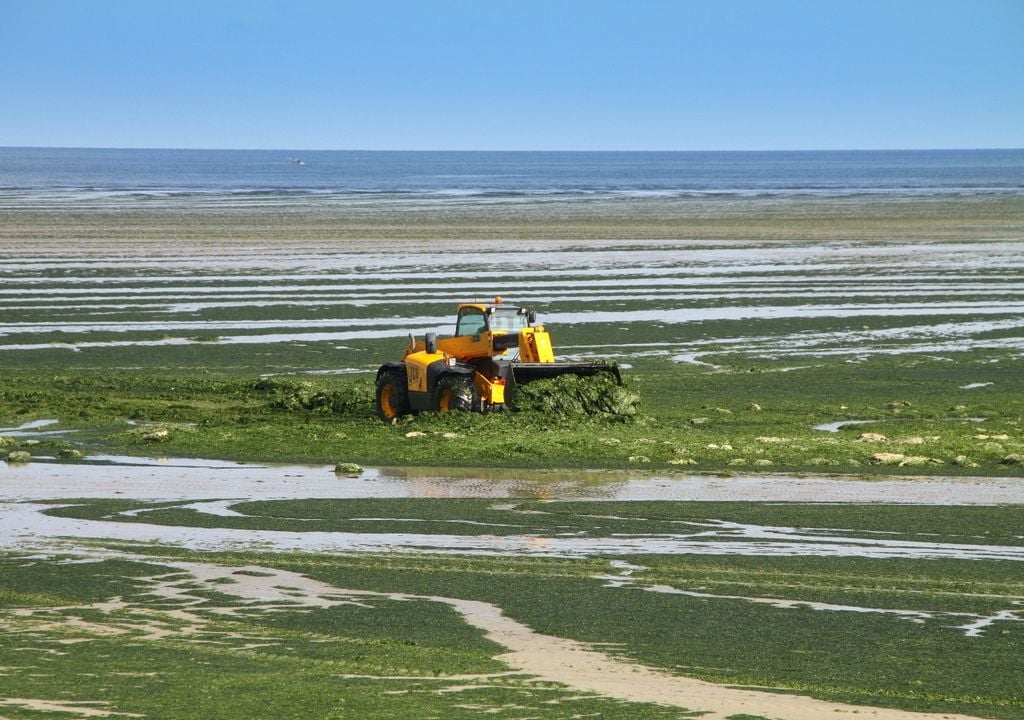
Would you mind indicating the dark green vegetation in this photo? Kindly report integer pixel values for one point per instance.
(377, 658)
(571, 395)
(692, 418)
(732, 619)
(975, 525)
(739, 324)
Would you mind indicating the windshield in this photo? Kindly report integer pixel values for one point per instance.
(510, 319)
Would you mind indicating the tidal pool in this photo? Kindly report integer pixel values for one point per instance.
(25, 526)
(164, 478)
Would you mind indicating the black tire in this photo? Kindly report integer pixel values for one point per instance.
(455, 392)
(392, 395)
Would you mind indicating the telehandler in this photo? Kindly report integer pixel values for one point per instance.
(472, 370)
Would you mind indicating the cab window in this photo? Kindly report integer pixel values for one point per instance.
(471, 322)
(508, 319)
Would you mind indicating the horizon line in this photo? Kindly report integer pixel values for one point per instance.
(507, 150)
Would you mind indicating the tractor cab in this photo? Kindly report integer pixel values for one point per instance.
(475, 319)
(486, 331)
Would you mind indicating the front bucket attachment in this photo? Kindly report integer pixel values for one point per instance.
(524, 372)
(570, 389)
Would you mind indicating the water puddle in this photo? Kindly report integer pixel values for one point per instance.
(31, 429)
(975, 627)
(978, 627)
(840, 424)
(833, 427)
(213, 486)
(196, 479)
(26, 526)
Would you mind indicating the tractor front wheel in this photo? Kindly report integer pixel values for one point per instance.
(455, 392)
(392, 395)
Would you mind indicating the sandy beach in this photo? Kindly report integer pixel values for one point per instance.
(78, 228)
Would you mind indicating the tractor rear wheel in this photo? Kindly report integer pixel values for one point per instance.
(392, 395)
(455, 392)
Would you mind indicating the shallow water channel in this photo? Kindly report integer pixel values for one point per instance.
(213, 487)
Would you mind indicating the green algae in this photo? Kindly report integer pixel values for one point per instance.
(729, 624)
(570, 395)
(747, 416)
(19, 457)
(747, 410)
(376, 658)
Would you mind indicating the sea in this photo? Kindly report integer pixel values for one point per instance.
(91, 177)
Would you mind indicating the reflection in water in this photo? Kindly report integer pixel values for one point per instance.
(141, 478)
(24, 525)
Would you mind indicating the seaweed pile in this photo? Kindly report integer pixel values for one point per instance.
(354, 399)
(573, 395)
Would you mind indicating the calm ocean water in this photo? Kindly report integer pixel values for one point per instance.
(32, 177)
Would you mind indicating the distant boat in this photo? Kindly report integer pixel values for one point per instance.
(298, 161)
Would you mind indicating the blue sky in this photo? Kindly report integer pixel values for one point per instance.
(515, 74)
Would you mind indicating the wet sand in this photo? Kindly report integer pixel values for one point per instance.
(93, 227)
(145, 279)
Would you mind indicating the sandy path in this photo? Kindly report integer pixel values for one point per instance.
(57, 706)
(549, 658)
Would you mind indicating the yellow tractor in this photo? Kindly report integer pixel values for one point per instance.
(472, 370)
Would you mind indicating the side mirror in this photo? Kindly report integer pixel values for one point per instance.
(531, 317)
(430, 340)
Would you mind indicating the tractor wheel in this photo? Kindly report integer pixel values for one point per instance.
(455, 392)
(392, 395)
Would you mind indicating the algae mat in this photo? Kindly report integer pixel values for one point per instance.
(884, 610)
(755, 336)
(571, 664)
